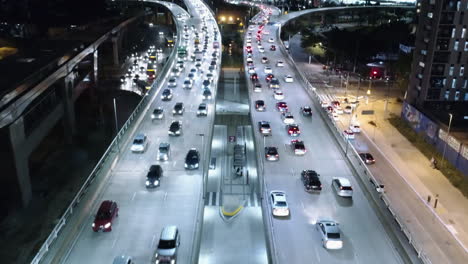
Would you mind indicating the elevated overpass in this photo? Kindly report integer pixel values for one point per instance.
(120, 174)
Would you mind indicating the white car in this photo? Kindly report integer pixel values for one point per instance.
(279, 64)
(355, 128)
(287, 118)
(249, 60)
(335, 116)
(288, 79)
(279, 204)
(348, 134)
(278, 95)
(271, 40)
(140, 143)
(324, 104)
(348, 110)
(339, 110)
(268, 70)
(342, 187)
(262, 50)
(330, 234)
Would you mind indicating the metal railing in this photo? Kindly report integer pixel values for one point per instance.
(110, 154)
(370, 182)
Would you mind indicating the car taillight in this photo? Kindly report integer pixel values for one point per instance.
(276, 155)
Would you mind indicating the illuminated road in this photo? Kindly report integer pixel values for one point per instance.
(143, 213)
(295, 238)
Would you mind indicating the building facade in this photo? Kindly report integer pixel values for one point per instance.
(439, 78)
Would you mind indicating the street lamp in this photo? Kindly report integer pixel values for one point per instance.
(446, 139)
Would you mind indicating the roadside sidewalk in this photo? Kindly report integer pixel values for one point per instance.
(414, 167)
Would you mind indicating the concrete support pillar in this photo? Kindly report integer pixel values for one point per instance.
(115, 49)
(96, 67)
(69, 109)
(21, 158)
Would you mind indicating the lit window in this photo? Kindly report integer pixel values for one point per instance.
(454, 82)
(455, 45)
(464, 83)
(447, 94)
(429, 15)
(451, 70)
(466, 97)
(462, 70)
(466, 46)
(458, 5)
(457, 95)
(453, 32)
(463, 32)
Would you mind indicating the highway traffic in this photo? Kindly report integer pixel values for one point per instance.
(143, 211)
(363, 238)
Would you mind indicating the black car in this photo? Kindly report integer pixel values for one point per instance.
(271, 154)
(178, 109)
(260, 105)
(175, 129)
(153, 177)
(306, 111)
(192, 159)
(206, 83)
(367, 158)
(166, 95)
(311, 181)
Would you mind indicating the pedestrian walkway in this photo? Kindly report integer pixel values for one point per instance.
(448, 214)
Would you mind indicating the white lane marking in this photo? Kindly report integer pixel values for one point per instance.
(133, 196)
(165, 196)
(174, 164)
(302, 204)
(152, 241)
(114, 242)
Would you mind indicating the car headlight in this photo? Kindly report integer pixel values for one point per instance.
(93, 225)
(107, 225)
(156, 182)
(153, 116)
(186, 165)
(147, 183)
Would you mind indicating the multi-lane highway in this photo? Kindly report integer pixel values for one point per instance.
(144, 212)
(295, 238)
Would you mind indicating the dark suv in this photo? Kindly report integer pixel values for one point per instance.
(192, 159)
(107, 212)
(153, 177)
(311, 181)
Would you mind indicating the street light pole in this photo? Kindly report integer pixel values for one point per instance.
(446, 139)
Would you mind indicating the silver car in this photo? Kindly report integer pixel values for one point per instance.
(342, 187)
(168, 245)
(330, 233)
(164, 151)
(158, 114)
(140, 143)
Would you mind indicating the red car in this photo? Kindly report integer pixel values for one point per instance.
(254, 77)
(293, 130)
(272, 47)
(107, 212)
(282, 106)
(269, 77)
